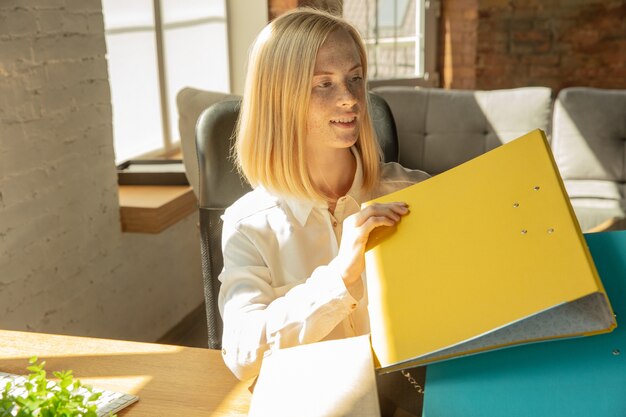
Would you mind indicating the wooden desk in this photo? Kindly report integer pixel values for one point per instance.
(169, 380)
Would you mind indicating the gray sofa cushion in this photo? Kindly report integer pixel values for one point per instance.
(439, 129)
(589, 146)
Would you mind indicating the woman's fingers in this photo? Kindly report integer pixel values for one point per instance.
(376, 221)
(356, 231)
(393, 211)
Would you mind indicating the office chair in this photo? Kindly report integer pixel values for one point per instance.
(221, 185)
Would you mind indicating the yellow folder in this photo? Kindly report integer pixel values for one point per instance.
(490, 255)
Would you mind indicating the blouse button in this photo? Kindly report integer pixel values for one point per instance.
(335, 224)
(353, 306)
(223, 351)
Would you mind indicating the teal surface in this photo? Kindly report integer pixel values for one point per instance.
(575, 377)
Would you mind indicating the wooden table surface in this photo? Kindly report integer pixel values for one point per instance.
(170, 381)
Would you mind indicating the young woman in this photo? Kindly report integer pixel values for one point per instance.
(294, 247)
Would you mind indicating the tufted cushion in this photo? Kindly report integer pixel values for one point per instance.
(589, 145)
(439, 129)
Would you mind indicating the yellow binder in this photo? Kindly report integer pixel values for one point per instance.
(491, 255)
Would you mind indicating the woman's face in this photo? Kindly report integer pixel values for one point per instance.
(337, 95)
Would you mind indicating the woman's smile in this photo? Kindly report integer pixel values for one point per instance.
(344, 122)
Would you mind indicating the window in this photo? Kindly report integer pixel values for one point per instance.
(154, 49)
(401, 39)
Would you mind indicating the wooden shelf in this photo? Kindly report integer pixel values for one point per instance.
(153, 208)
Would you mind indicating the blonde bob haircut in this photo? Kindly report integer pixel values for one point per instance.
(272, 126)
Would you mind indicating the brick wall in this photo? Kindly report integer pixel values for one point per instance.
(457, 43)
(489, 44)
(65, 266)
(278, 7)
(553, 43)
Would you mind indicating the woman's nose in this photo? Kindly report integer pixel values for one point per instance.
(347, 97)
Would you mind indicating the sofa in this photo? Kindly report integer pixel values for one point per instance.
(438, 129)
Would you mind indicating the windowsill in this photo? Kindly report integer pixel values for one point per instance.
(430, 80)
(154, 208)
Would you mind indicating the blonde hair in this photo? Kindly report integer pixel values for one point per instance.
(271, 130)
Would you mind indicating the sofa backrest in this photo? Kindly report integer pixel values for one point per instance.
(439, 129)
(589, 146)
(190, 103)
(590, 134)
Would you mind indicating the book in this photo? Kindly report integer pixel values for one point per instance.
(578, 377)
(491, 255)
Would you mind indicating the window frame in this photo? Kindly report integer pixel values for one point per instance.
(169, 141)
(431, 10)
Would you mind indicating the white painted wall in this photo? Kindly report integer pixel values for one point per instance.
(245, 20)
(65, 265)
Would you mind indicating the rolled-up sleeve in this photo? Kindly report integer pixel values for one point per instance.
(258, 317)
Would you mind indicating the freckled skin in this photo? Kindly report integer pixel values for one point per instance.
(337, 94)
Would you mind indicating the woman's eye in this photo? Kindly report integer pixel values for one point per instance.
(357, 78)
(324, 84)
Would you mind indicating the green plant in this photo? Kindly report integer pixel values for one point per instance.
(45, 398)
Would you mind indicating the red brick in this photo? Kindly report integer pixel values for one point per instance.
(545, 60)
(526, 4)
(531, 36)
(495, 4)
(542, 47)
(496, 60)
(541, 71)
(471, 14)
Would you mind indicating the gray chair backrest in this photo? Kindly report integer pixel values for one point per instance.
(221, 185)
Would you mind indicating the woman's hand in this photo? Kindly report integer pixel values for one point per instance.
(356, 230)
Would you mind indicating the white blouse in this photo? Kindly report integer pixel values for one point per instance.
(279, 285)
